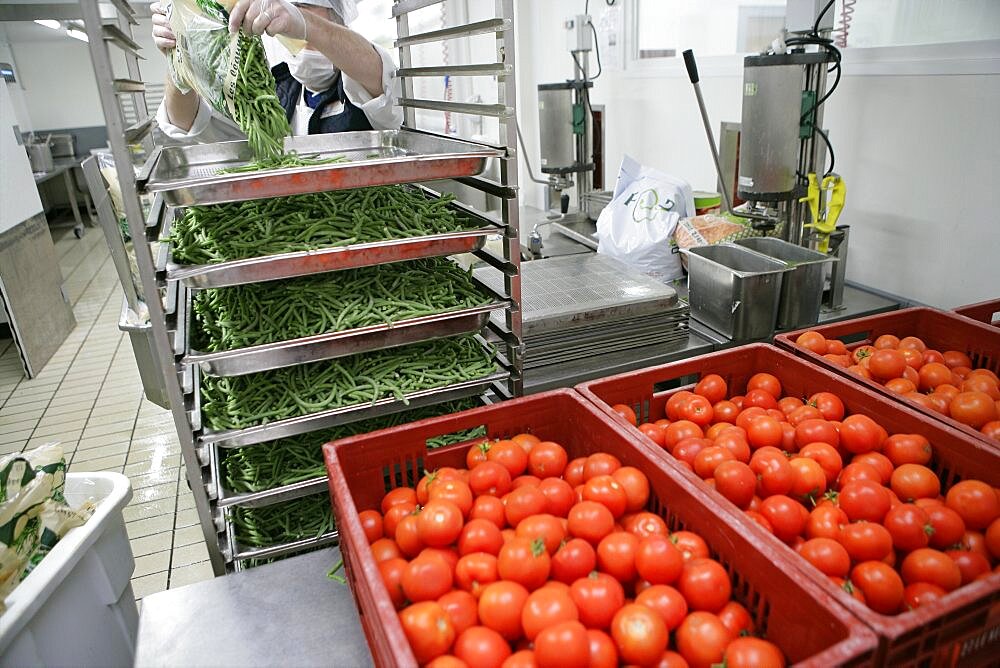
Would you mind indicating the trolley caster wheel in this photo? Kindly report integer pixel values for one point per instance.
(78, 232)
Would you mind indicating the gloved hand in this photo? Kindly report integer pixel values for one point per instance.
(275, 17)
(163, 36)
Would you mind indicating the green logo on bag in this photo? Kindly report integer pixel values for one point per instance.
(647, 205)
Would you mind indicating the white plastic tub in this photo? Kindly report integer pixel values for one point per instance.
(76, 608)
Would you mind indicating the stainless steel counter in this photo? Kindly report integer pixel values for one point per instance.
(65, 167)
(287, 613)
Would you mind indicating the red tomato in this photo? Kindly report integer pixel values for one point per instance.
(859, 472)
(697, 409)
(563, 645)
(909, 526)
(544, 608)
(774, 473)
(927, 565)
(573, 560)
(645, 524)
(475, 571)
(490, 478)
(753, 653)
(524, 658)
(691, 545)
(655, 433)
(736, 618)
(973, 408)
(481, 646)
(879, 462)
(825, 521)
(948, 525)
(864, 500)
(975, 501)
(600, 463)
(886, 341)
(428, 630)
(524, 561)
(395, 515)
(816, 431)
(675, 402)
(461, 607)
(500, 605)
(598, 597)
(913, 481)
(603, 653)
(725, 411)
(526, 441)
(785, 516)
(392, 577)
(866, 541)
(547, 460)
(548, 528)
(426, 579)
(702, 639)
(591, 521)
(734, 440)
(681, 430)
(384, 549)
(604, 489)
(827, 457)
(666, 602)
(439, 523)
(705, 585)
(886, 363)
(626, 413)
(970, 564)
(523, 502)
(767, 382)
(736, 481)
(813, 341)
(713, 387)
(881, 586)
(709, 459)
(480, 535)
(573, 475)
(639, 633)
(859, 433)
(828, 404)
(616, 555)
(809, 481)
(764, 431)
(489, 508)
(510, 455)
(456, 491)
(371, 524)
(921, 593)
(636, 487)
(476, 455)
(827, 555)
(559, 496)
(760, 398)
(400, 495)
(992, 539)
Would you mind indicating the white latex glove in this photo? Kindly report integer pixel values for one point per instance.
(275, 17)
(163, 36)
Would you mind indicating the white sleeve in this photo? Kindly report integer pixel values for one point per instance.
(209, 126)
(382, 112)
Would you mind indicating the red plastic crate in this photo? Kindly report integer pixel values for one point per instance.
(797, 615)
(986, 312)
(939, 330)
(962, 628)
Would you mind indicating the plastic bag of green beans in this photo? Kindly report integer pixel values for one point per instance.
(229, 71)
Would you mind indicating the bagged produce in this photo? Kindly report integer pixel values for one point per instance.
(637, 227)
(230, 72)
(707, 230)
(34, 514)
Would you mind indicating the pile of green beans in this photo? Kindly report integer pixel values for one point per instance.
(249, 315)
(308, 517)
(285, 161)
(243, 401)
(287, 461)
(240, 230)
(256, 108)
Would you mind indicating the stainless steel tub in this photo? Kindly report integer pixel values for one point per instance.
(733, 290)
(802, 286)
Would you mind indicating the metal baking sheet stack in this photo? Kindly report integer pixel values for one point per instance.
(582, 306)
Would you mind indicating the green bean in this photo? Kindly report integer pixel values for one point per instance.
(240, 230)
(259, 398)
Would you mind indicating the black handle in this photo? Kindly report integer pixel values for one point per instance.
(692, 67)
(564, 204)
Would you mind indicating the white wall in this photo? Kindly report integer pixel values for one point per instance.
(919, 154)
(15, 91)
(60, 90)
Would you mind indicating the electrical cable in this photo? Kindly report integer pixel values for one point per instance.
(597, 51)
(819, 18)
(829, 147)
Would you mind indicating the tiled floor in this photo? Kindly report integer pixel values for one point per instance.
(89, 399)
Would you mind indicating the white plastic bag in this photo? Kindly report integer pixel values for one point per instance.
(638, 225)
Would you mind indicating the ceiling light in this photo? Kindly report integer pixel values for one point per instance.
(77, 34)
(49, 23)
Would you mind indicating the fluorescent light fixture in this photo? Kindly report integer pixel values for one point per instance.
(49, 23)
(77, 34)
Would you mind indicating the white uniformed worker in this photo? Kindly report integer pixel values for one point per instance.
(339, 82)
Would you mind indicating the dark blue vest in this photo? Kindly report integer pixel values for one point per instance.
(290, 93)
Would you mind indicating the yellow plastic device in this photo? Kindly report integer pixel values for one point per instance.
(834, 192)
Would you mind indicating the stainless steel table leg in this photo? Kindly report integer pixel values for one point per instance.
(71, 194)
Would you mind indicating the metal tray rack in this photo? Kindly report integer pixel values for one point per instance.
(187, 176)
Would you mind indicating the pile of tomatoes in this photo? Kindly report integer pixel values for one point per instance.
(526, 558)
(943, 382)
(860, 505)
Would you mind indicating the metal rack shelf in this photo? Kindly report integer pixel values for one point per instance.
(177, 177)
